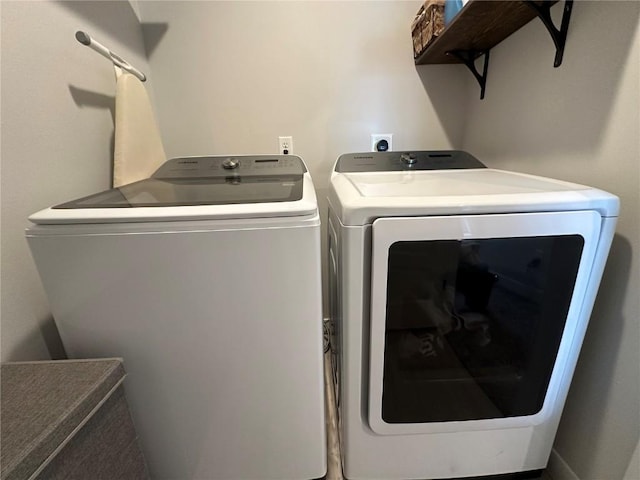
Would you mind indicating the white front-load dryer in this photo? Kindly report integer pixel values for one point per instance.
(461, 296)
(206, 279)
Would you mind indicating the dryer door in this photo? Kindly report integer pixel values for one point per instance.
(476, 319)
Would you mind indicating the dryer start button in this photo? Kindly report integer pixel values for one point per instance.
(408, 158)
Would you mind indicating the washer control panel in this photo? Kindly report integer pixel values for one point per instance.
(223, 166)
(230, 163)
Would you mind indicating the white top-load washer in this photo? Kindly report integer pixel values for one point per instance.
(206, 279)
(461, 296)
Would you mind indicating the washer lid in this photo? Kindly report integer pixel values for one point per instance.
(199, 188)
(184, 192)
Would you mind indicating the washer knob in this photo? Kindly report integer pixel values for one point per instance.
(230, 163)
(408, 158)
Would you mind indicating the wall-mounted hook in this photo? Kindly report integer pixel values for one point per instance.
(117, 60)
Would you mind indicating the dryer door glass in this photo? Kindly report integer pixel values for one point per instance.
(469, 313)
(473, 326)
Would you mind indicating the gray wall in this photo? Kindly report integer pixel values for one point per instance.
(57, 133)
(222, 87)
(580, 122)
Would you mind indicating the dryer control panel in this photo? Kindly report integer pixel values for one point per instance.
(398, 161)
(225, 166)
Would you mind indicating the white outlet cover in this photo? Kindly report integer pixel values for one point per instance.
(376, 137)
(285, 142)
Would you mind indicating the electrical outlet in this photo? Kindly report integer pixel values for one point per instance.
(381, 142)
(285, 145)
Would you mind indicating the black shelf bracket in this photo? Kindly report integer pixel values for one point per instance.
(559, 37)
(468, 57)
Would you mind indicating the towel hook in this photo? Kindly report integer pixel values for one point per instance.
(117, 60)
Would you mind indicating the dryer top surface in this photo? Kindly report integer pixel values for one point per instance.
(438, 183)
(361, 197)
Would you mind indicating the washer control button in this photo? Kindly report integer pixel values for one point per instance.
(230, 163)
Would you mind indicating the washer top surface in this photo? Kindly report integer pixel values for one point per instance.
(194, 188)
(369, 186)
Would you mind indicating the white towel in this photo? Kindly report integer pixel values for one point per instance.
(138, 148)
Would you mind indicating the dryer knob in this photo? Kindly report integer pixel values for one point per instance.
(230, 163)
(408, 158)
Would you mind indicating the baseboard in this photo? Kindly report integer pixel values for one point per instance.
(558, 469)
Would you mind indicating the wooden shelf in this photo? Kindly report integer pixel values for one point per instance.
(478, 27)
(482, 24)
